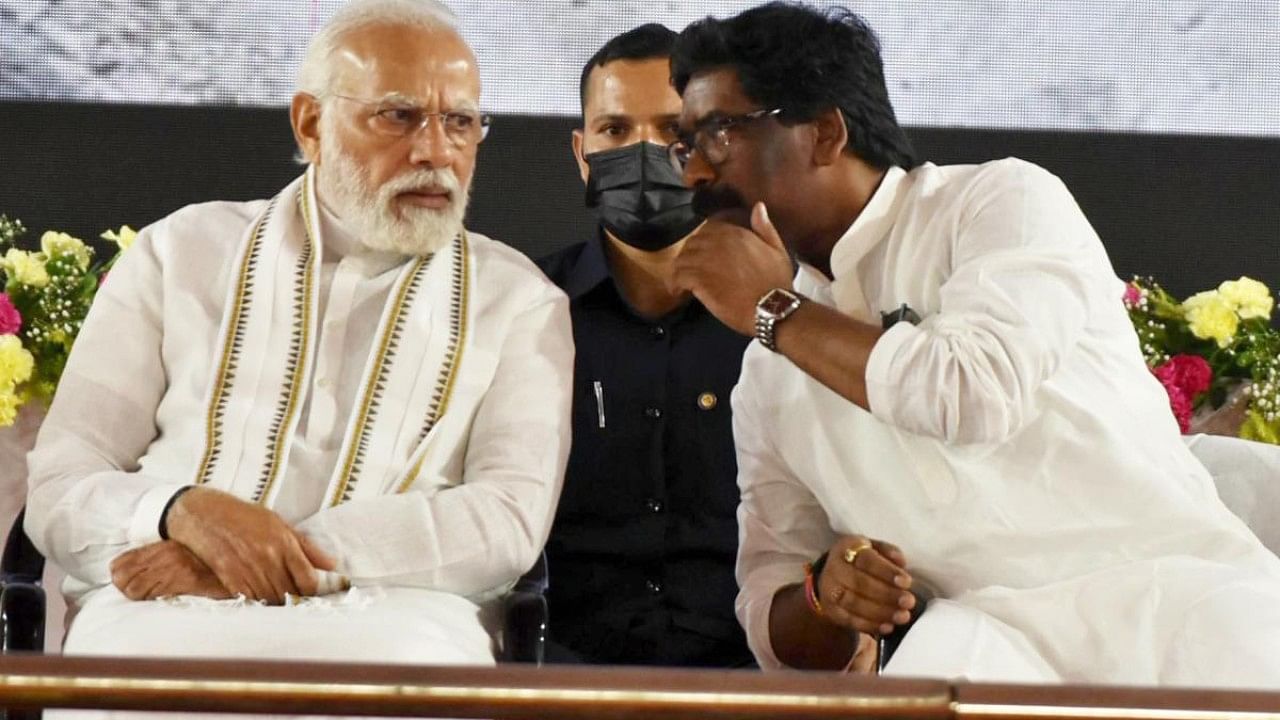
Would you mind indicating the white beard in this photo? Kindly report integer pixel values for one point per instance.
(371, 214)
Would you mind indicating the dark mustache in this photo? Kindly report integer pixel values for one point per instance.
(708, 200)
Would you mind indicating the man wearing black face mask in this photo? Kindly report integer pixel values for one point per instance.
(642, 551)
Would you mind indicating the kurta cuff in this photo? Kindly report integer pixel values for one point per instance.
(883, 372)
(144, 528)
(757, 604)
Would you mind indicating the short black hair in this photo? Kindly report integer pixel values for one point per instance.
(651, 40)
(803, 60)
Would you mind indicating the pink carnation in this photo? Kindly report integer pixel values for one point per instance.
(1132, 295)
(10, 318)
(1181, 406)
(1189, 373)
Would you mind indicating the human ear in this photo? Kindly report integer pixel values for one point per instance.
(831, 136)
(577, 155)
(304, 116)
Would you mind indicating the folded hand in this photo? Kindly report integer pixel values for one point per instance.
(865, 586)
(164, 569)
(250, 549)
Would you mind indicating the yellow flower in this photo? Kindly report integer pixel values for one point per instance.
(8, 407)
(1251, 298)
(124, 237)
(1256, 427)
(27, 268)
(56, 244)
(1211, 317)
(16, 363)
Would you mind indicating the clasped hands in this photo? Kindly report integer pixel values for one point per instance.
(220, 546)
(865, 586)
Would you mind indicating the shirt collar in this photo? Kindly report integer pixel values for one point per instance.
(872, 224)
(589, 270)
(869, 229)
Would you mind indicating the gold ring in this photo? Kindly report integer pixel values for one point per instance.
(851, 553)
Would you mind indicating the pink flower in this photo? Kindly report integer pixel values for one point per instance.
(10, 318)
(1132, 295)
(1189, 373)
(1181, 406)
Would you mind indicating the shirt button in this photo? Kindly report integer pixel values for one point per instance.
(658, 332)
(653, 587)
(707, 401)
(653, 413)
(654, 505)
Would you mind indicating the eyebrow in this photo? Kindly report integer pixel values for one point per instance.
(617, 117)
(711, 116)
(399, 98)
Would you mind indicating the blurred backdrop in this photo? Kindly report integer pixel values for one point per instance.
(1163, 118)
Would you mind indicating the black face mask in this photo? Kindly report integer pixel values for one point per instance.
(639, 197)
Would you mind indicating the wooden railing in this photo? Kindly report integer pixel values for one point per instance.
(516, 691)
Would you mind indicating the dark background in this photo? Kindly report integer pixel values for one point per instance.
(1190, 210)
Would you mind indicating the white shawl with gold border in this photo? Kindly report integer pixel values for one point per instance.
(266, 357)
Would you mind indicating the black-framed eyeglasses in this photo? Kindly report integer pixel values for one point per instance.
(395, 118)
(711, 138)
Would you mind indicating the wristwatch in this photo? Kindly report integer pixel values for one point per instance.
(772, 308)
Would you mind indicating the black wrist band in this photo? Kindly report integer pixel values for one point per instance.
(816, 569)
(164, 514)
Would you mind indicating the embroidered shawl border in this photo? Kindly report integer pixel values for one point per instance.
(460, 300)
(299, 348)
(375, 384)
(231, 346)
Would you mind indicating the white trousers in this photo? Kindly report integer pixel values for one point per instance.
(385, 626)
(1172, 623)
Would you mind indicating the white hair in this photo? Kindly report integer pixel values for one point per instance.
(316, 71)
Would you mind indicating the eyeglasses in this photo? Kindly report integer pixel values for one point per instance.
(711, 138)
(398, 119)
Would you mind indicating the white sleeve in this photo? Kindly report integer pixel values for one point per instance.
(87, 500)
(781, 526)
(484, 533)
(1024, 276)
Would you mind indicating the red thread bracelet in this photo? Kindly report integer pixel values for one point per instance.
(811, 592)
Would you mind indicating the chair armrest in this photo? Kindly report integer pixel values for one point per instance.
(22, 617)
(524, 627)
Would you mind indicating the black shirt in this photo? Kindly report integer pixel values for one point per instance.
(641, 555)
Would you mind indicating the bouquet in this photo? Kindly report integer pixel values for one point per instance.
(1210, 346)
(44, 296)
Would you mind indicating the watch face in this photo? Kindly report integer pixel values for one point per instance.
(777, 302)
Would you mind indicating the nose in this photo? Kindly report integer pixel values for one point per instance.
(653, 134)
(430, 146)
(697, 171)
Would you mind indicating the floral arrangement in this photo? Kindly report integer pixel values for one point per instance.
(44, 296)
(1210, 346)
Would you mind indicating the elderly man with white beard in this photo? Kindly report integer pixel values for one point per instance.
(329, 425)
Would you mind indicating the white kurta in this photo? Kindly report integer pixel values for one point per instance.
(126, 429)
(1017, 449)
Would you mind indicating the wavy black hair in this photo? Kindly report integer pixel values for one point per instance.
(651, 40)
(804, 60)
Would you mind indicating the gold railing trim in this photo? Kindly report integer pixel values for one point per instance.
(239, 689)
(969, 709)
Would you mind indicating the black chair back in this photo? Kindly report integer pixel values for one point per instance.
(21, 561)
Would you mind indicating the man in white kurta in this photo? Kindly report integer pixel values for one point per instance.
(343, 366)
(1011, 442)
